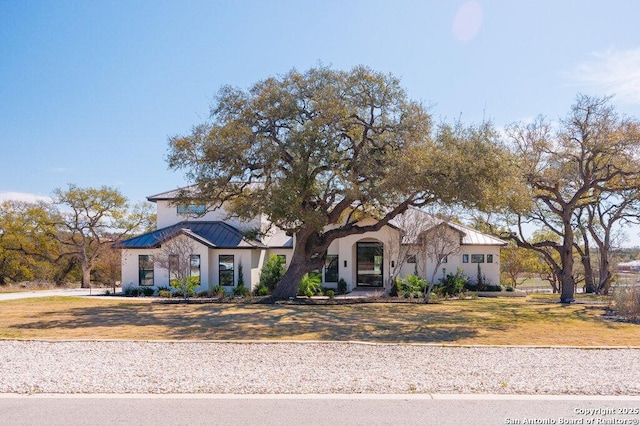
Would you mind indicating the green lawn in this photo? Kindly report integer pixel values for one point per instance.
(492, 321)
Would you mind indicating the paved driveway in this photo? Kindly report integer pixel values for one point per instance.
(58, 292)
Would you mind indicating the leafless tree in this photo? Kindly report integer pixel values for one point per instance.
(176, 256)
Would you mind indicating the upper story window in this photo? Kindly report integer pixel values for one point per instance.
(477, 258)
(190, 209)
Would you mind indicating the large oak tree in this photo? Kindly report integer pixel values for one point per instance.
(317, 151)
(569, 168)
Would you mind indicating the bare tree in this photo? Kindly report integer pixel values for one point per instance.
(439, 242)
(177, 256)
(411, 225)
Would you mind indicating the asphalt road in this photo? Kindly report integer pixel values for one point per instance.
(283, 410)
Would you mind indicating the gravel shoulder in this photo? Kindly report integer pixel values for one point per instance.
(318, 368)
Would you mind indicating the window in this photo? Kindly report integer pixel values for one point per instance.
(489, 258)
(445, 260)
(477, 258)
(331, 268)
(190, 209)
(145, 269)
(465, 258)
(411, 258)
(194, 262)
(225, 269)
(282, 258)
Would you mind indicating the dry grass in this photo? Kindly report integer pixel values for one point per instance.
(467, 322)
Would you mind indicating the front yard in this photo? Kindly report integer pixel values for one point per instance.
(465, 322)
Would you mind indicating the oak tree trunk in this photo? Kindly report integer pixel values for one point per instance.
(566, 257)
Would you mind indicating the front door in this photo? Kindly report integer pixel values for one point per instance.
(369, 264)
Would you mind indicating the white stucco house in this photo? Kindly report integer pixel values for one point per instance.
(221, 244)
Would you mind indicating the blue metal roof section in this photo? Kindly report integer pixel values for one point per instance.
(212, 234)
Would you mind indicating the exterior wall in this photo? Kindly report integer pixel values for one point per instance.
(167, 215)
(346, 247)
(244, 256)
(130, 275)
(490, 270)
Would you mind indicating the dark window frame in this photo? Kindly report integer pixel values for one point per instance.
(465, 258)
(331, 268)
(191, 267)
(477, 258)
(145, 268)
(226, 272)
(489, 258)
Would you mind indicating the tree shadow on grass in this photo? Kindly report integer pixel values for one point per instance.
(380, 323)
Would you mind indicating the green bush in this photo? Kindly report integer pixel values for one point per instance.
(411, 286)
(493, 287)
(342, 286)
(129, 291)
(331, 294)
(452, 284)
(310, 285)
(147, 291)
(241, 291)
(509, 288)
(393, 291)
(218, 292)
(271, 273)
(186, 286)
(261, 291)
(164, 293)
(203, 293)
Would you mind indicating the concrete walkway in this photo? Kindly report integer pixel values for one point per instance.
(57, 292)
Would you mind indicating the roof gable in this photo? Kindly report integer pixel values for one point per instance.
(213, 234)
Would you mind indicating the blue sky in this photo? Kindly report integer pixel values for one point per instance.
(91, 90)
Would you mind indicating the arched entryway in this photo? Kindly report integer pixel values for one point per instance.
(369, 264)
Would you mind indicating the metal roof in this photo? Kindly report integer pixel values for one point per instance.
(469, 236)
(214, 234)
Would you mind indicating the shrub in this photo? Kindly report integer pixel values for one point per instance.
(261, 291)
(241, 291)
(452, 284)
(130, 290)
(331, 294)
(187, 286)
(164, 293)
(627, 303)
(107, 292)
(203, 293)
(218, 292)
(147, 291)
(393, 291)
(310, 285)
(492, 287)
(509, 288)
(240, 275)
(271, 273)
(411, 287)
(342, 286)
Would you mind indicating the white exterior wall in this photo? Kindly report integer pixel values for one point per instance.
(490, 270)
(167, 215)
(244, 256)
(346, 248)
(130, 275)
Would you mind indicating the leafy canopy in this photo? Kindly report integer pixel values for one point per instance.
(310, 149)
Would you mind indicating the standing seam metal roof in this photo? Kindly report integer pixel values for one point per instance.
(214, 234)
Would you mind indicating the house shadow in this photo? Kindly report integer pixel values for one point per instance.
(379, 323)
